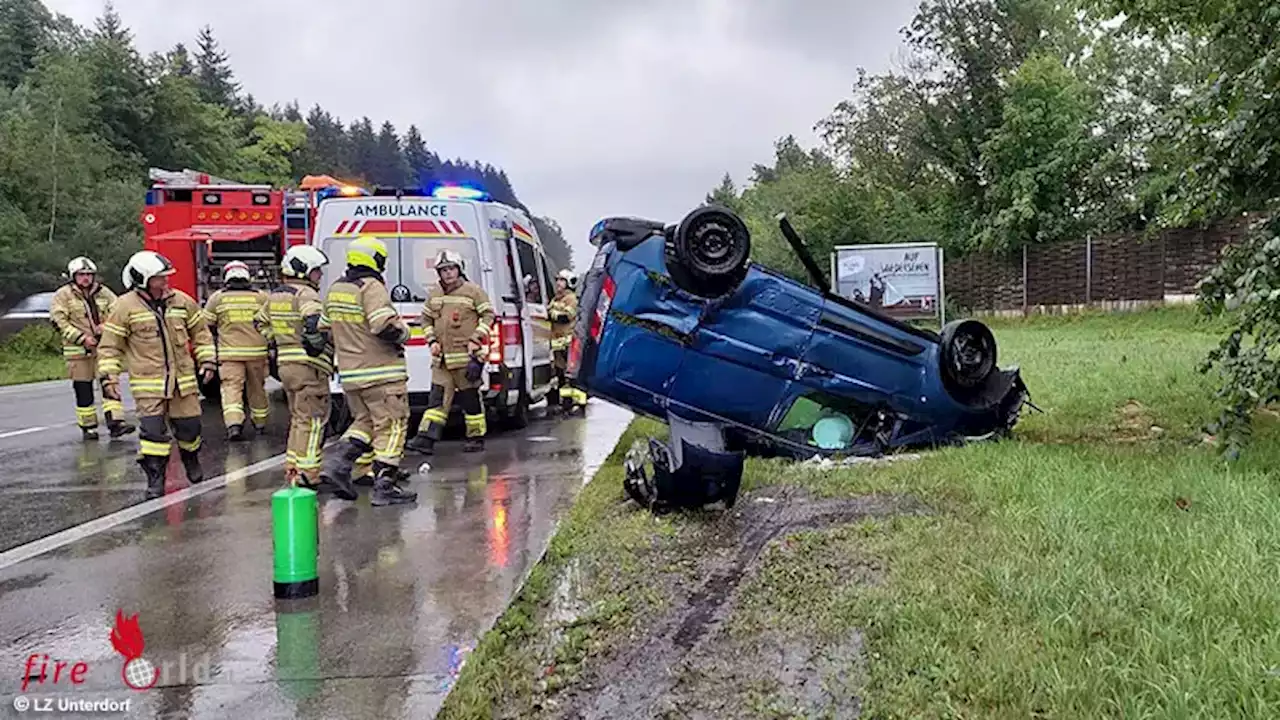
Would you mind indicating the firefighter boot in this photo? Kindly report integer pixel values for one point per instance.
(118, 428)
(235, 433)
(88, 434)
(425, 441)
(337, 471)
(153, 467)
(385, 489)
(191, 462)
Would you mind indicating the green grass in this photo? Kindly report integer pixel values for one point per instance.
(1106, 563)
(32, 355)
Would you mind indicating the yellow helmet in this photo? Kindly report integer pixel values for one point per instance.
(367, 251)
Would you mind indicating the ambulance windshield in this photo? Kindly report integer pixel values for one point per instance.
(418, 258)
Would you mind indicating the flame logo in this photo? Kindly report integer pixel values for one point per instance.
(126, 637)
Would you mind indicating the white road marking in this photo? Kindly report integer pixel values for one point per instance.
(12, 557)
(16, 433)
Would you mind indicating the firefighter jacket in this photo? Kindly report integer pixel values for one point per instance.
(231, 314)
(367, 332)
(456, 318)
(79, 314)
(563, 312)
(153, 340)
(291, 310)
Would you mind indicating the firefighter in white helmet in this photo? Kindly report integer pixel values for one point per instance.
(304, 360)
(456, 319)
(242, 349)
(368, 338)
(78, 310)
(147, 335)
(563, 312)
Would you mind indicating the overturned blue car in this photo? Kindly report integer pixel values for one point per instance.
(675, 322)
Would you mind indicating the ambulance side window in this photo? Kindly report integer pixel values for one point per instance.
(529, 268)
(511, 291)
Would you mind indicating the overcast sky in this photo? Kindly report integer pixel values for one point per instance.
(593, 107)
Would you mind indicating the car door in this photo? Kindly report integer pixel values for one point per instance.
(853, 353)
(535, 325)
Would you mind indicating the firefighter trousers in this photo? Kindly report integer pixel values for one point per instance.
(157, 415)
(83, 371)
(445, 386)
(307, 389)
(380, 423)
(566, 394)
(241, 378)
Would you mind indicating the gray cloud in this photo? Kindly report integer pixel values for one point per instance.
(593, 108)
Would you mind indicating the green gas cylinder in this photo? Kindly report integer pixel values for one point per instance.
(295, 535)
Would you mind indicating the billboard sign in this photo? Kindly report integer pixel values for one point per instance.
(903, 280)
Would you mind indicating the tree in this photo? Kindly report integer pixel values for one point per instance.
(25, 33)
(364, 149)
(269, 157)
(553, 242)
(420, 161)
(124, 98)
(216, 81)
(389, 166)
(327, 150)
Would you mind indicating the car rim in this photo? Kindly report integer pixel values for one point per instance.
(970, 356)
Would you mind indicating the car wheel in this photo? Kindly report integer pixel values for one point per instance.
(710, 248)
(968, 355)
(517, 418)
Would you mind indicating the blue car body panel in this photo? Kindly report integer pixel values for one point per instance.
(744, 359)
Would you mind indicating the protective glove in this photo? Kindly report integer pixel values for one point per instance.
(273, 362)
(475, 366)
(111, 388)
(208, 371)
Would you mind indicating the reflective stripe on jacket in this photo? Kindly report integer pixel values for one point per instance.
(456, 318)
(283, 318)
(158, 343)
(231, 313)
(79, 314)
(368, 334)
(564, 304)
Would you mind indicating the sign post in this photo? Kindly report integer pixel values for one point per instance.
(902, 280)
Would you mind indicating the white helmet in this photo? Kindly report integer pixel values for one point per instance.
(81, 264)
(300, 260)
(236, 270)
(449, 257)
(143, 266)
(568, 276)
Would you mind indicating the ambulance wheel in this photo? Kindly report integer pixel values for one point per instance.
(517, 417)
(339, 416)
(212, 390)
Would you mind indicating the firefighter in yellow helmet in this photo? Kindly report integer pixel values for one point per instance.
(304, 360)
(78, 310)
(563, 312)
(242, 349)
(147, 335)
(457, 319)
(368, 338)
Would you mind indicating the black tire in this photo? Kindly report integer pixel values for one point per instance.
(339, 416)
(968, 356)
(517, 417)
(708, 252)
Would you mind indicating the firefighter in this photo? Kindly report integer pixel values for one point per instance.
(147, 336)
(304, 361)
(368, 338)
(563, 312)
(242, 350)
(456, 319)
(78, 309)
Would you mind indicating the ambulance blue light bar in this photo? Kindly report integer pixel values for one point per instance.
(458, 192)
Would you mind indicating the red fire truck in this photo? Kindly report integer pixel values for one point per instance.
(201, 222)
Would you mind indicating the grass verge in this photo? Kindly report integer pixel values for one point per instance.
(32, 355)
(1106, 563)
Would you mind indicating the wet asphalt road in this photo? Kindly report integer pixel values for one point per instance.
(405, 591)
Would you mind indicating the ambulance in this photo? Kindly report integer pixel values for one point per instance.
(503, 255)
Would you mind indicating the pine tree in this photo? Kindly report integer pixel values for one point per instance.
(215, 79)
(390, 169)
(364, 149)
(179, 61)
(25, 27)
(124, 97)
(421, 162)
